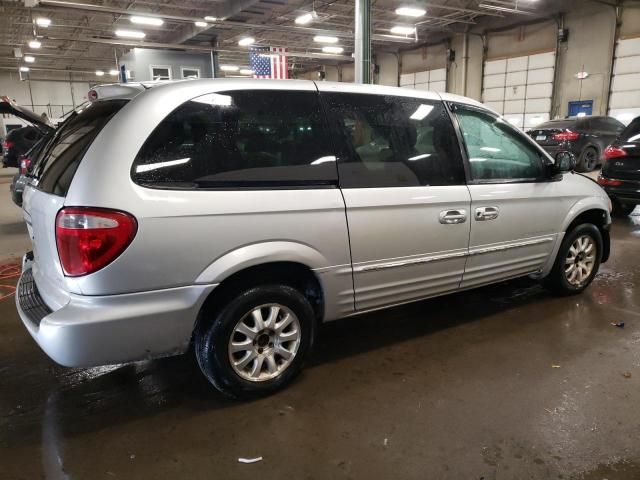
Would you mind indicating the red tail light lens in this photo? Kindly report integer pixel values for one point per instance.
(567, 136)
(88, 239)
(608, 182)
(25, 163)
(7, 144)
(614, 152)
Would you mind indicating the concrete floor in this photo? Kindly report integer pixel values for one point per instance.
(504, 382)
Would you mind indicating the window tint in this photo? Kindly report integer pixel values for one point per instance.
(63, 155)
(390, 141)
(241, 138)
(496, 150)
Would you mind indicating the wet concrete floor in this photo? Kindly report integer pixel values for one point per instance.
(504, 382)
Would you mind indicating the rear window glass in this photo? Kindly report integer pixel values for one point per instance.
(557, 124)
(234, 139)
(64, 153)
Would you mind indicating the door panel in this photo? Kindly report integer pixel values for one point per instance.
(521, 238)
(407, 205)
(515, 211)
(400, 250)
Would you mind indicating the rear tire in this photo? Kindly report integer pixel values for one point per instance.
(257, 343)
(622, 209)
(588, 160)
(577, 262)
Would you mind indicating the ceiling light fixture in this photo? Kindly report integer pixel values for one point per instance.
(43, 22)
(113, 73)
(497, 8)
(246, 71)
(325, 39)
(403, 30)
(29, 59)
(243, 42)
(410, 11)
(35, 44)
(24, 69)
(130, 34)
(201, 24)
(211, 19)
(332, 49)
(99, 73)
(229, 68)
(147, 21)
(306, 18)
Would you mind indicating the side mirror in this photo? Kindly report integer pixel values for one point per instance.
(565, 162)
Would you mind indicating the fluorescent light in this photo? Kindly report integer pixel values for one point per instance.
(325, 39)
(497, 8)
(246, 71)
(305, 18)
(130, 34)
(211, 19)
(113, 73)
(322, 160)
(332, 49)
(201, 24)
(35, 44)
(421, 112)
(229, 68)
(419, 157)
(24, 69)
(243, 42)
(401, 30)
(147, 20)
(214, 99)
(99, 73)
(29, 59)
(410, 11)
(43, 22)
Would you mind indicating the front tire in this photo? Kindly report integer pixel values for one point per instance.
(257, 343)
(577, 262)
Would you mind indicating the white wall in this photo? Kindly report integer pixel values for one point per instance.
(52, 97)
(388, 63)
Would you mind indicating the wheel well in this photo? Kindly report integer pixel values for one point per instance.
(293, 274)
(598, 218)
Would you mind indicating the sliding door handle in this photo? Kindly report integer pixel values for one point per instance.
(452, 217)
(486, 213)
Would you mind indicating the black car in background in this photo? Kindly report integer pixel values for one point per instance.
(586, 137)
(620, 176)
(19, 141)
(27, 161)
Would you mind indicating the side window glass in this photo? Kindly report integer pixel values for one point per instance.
(389, 141)
(253, 138)
(496, 150)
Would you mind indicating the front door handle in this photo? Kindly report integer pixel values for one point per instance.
(486, 213)
(452, 217)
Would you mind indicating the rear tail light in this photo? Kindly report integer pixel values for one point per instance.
(88, 239)
(7, 144)
(614, 152)
(25, 163)
(608, 182)
(567, 136)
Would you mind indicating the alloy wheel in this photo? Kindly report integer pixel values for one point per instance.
(580, 261)
(264, 342)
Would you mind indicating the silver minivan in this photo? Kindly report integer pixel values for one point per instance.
(232, 216)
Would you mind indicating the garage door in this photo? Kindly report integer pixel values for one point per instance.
(433, 80)
(520, 88)
(624, 103)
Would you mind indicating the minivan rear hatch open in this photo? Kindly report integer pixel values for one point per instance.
(9, 107)
(44, 196)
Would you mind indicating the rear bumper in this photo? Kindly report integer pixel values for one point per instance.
(629, 192)
(90, 330)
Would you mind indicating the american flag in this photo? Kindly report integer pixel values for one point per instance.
(268, 62)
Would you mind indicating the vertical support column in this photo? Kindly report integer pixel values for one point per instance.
(363, 41)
